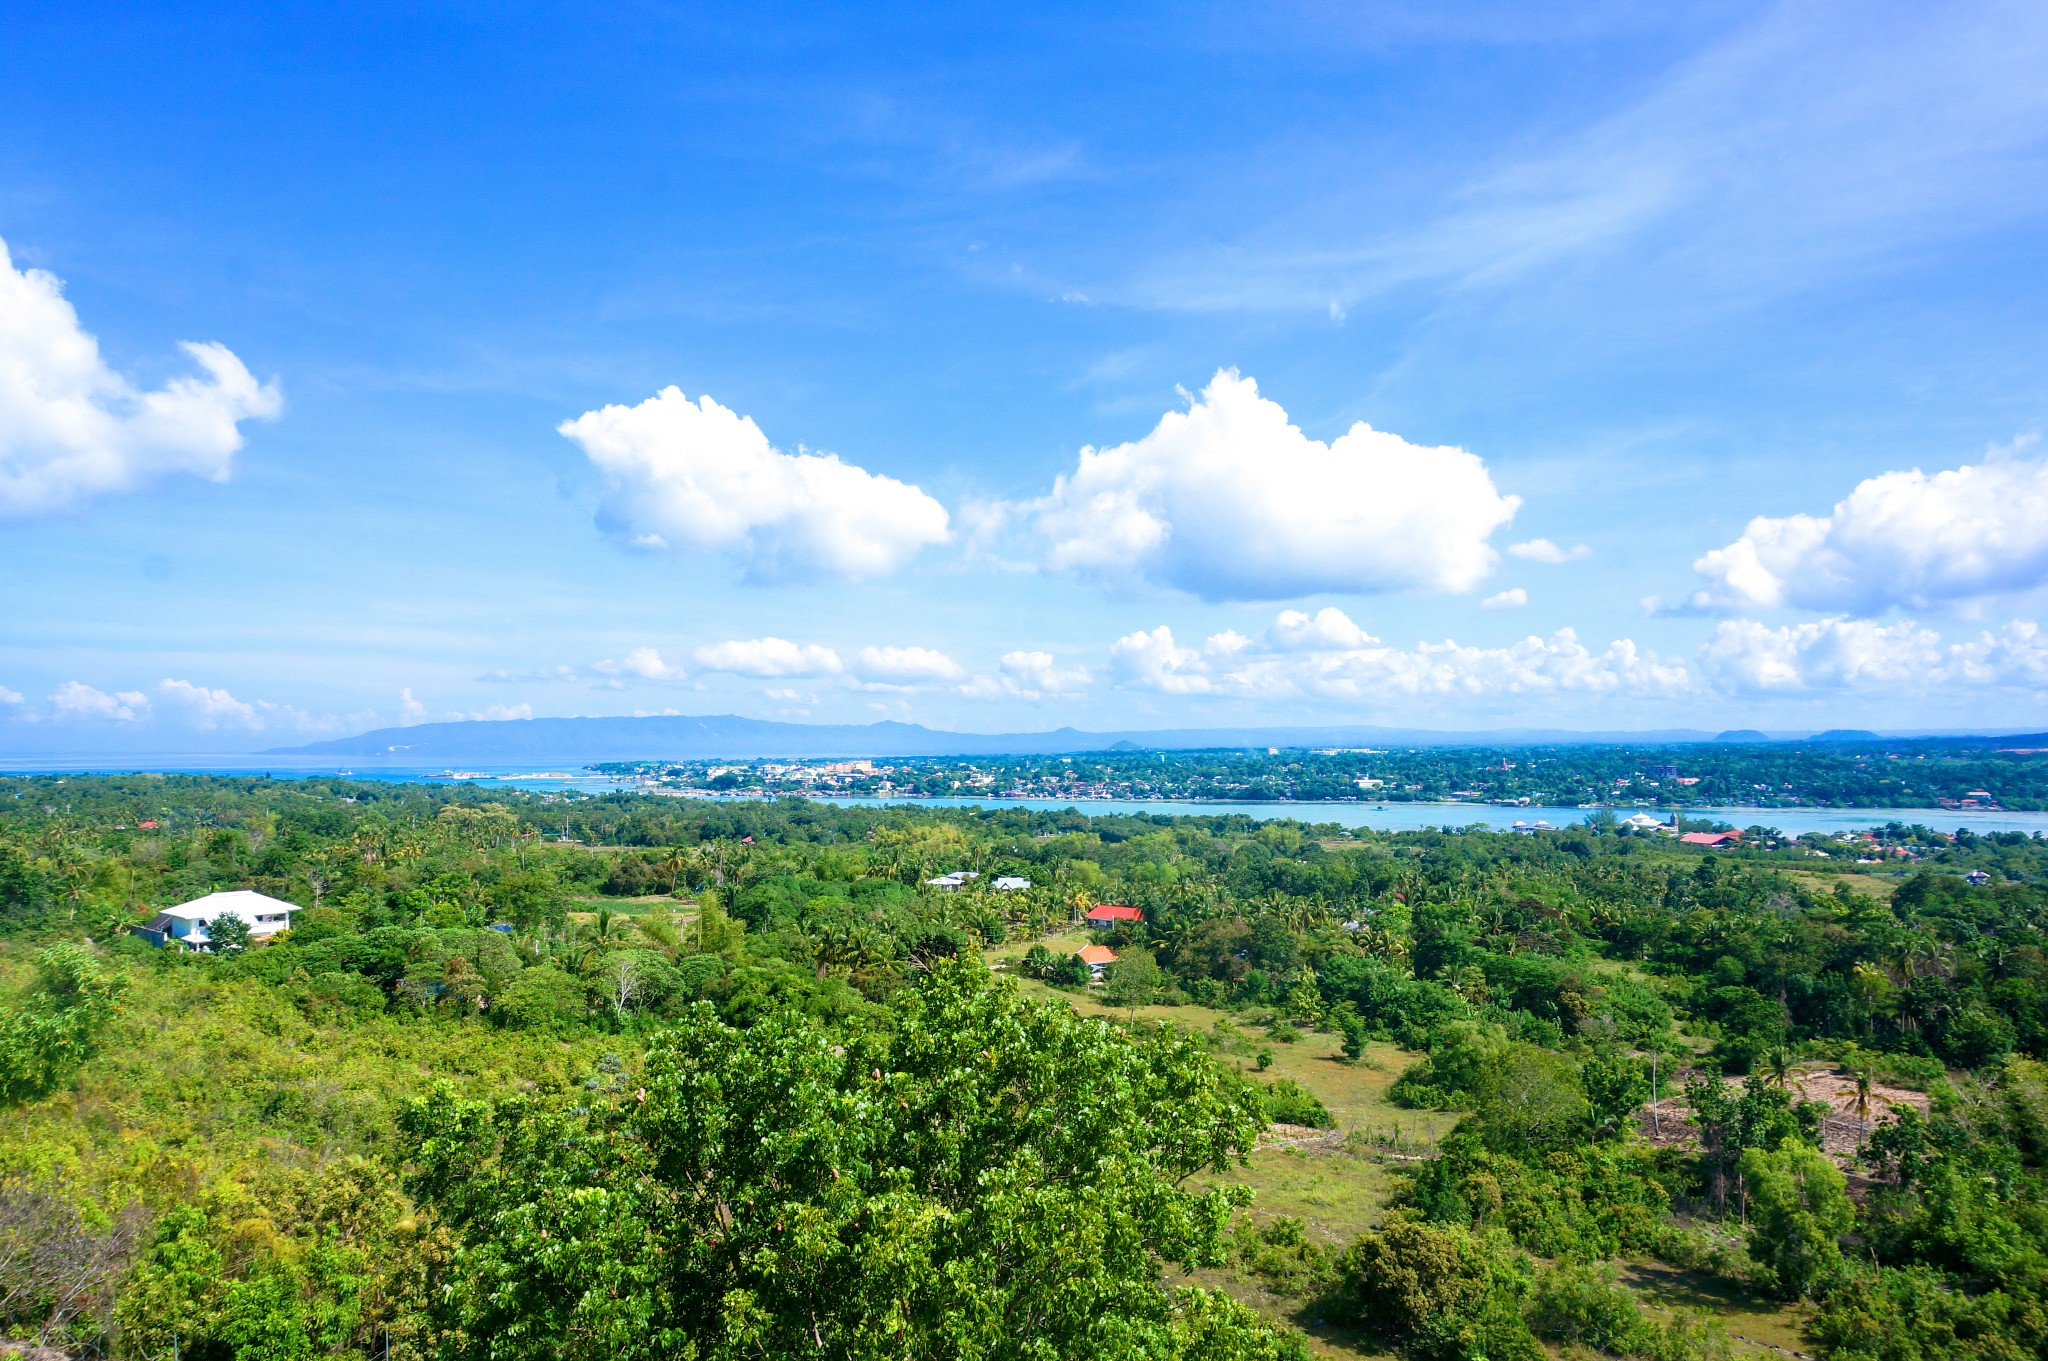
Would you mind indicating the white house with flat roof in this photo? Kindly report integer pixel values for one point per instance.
(187, 923)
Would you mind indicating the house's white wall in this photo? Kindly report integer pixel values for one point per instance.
(194, 926)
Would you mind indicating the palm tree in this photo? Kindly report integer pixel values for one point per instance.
(1781, 1068)
(1862, 1102)
(675, 862)
(600, 936)
(663, 933)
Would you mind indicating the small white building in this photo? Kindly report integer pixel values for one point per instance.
(946, 883)
(1011, 883)
(188, 923)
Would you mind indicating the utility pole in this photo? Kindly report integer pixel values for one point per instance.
(1656, 1130)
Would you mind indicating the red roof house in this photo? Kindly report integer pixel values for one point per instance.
(1714, 839)
(1096, 957)
(1109, 914)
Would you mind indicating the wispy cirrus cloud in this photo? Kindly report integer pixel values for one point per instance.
(1813, 141)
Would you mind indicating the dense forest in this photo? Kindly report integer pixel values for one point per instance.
(1903, 773)
(625, 1076)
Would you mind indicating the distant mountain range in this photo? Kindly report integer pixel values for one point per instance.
(583, 741)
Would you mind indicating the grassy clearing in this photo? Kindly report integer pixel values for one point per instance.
(1759, 1326)
(1880, 887)
(585, 909)
(1338, 1194)
(1326, 1338)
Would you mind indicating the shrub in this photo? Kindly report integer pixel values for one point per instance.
(541, 999)
(337, 996)
(1439, 1293)
(1284, 1257)
(1289, 1103)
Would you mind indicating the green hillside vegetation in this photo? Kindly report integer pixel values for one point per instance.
(642, 1077)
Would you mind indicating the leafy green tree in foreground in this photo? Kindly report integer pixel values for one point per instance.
(57, 1026)
(227, 934)
(994, 1178)
(1799, 1209)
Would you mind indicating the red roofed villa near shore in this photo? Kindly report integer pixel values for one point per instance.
(1109, 914)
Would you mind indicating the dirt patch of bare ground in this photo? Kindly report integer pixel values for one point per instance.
(1281, 1135)
(1668, 1123)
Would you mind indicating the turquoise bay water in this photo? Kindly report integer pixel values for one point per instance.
(1408, 817)
(1392, 817)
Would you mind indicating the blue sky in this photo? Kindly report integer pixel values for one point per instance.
(1699, 350)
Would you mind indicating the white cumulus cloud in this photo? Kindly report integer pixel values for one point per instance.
(77, 700)
(2015, 656)
(1151, 660)
(1823, 654)
(770, 658)
(1029, 675)
(1329, 630)
(209, 708)
(1543, 550)
(8, 696)
(1512, 599)
(71, 428)
(905, 665)
(696, 476)
(642, 663)
(1898, 539)
(1230, 501)
(1329, 655)
(1843, 653)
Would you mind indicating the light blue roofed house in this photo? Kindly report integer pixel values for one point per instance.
(187, 923)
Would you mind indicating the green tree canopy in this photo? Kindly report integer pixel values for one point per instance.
(993, 1178)
(1799, 1209)
(227, 934)
(57, 1026)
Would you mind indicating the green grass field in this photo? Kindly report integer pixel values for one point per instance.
(583, 909)
(1338, 1194)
